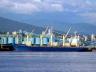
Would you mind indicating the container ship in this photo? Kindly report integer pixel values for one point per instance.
(47, 41)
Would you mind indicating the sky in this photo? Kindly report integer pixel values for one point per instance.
(52, 11)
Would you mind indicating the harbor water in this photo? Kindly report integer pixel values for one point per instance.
(47, 62)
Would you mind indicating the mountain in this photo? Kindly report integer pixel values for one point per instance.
(7, 25)
(12, 25)
(59, 20)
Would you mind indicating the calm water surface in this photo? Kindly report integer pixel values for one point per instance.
(47, 62)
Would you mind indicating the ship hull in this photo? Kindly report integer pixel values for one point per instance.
(50, 49)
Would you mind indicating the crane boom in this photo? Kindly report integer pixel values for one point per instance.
(67, 32)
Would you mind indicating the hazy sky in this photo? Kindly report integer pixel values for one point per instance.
(49, 10)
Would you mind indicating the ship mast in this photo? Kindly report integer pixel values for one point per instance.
(41, 40)
(51, 36)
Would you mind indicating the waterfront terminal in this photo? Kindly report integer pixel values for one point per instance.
(46, 41)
